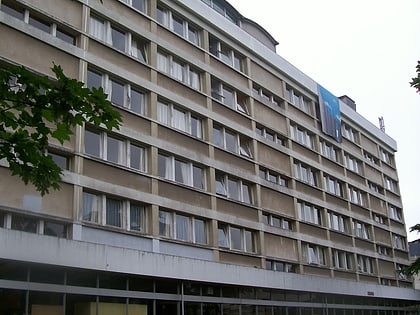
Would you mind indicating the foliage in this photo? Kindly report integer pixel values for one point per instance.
(34, 109)
(415, 82)
(414, 268)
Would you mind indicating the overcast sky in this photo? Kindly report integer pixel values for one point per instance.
(366, 49)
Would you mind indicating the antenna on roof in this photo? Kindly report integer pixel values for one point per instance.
(381, 123)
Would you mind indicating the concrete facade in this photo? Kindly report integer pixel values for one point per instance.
(220, 194)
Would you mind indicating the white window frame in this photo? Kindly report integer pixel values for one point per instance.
(271, 220)
(244, 245)
(356, 196)
(395, 213)
(361, 230)
(231, 58)
(349, 133)
(342, 260)
(273, 177)
(309, 213)
(241, 145)
(352, 163)
(365, 264)
(338, 222)
(329, 151)
(222, 188)
(313, 254)
(217, 92)
(271, 135)
(298, 100)
(167, 116)
(399, 242)
(301, 136)
(333, 185)
(306, 174)
(130, 3)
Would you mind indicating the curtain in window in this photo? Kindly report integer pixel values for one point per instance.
(200, 235)
(194, 79)
(179, 119)
(138, 50)
(183, 228)
(90, 207)
(221, 185)
(97, 28)
(178, 70)
(165, 224)
(223, 236)
(136, 218)
(113, 212)
(162, 62)
(182, 172)
(163, 113)
(244, 148)
(196, 128)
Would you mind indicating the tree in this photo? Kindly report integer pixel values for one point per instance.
(414, 268)
(415, 82)
(35, 109)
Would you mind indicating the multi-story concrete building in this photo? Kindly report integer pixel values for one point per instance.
(236, 184)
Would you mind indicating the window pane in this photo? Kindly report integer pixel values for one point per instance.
(138, 49)
(114, 150)
(194, 79)
(233, 189)
(163, 113)
(178, 25)
(223, 236)
(179, 119)
(137, 102)
(137, 157)
(55, 229)
(139, 5)
(229, 97)
(193, 35)
(24, 224)
(249, 241)
(97, 28)
(246, 193)
(65, 36)
(43, 26)
(200, 231)
(165, 224)
(217, 136)
(60, 160)
(163, 166)
(136, 218)
(235, 237)
(178, 70)
(231, 142)
(16, 12)
(196, 128)
(118, 39)
(117, 93)
(94, 79)
(182, 172)
(113, 212)
(221, 185)
(198, 177)
(183, 227)
(92, 143)
(90, 207)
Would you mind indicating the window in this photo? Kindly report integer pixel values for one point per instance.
(273, 177)
(229, 97)
(302, 136)
(342, 260)
(365, 264)
(378, 218)
(233, 188)
(179, 70)
(107, 210)
(180, 119)
(220, 8)
(333, 186)
(265, 95)
(112, 149)
(180, 171)
(306, 174)
(356, 196)
(231, 141)
(329, 151)
(36, 20)
(277, 221)
(395, 213)
(279, 266)
(90, 207)
(349, 133)
(352, 163)
(61, 160)
(25, 224)
(137, 4)
(226, 54)
(182, 227)
(338, 222)
(383, 250)
(55, 229)
(271, 135)
(375, 187)
(236, 238)
(361, 230)
(309, 213)
(391, 184)
(370, 158)
(121, 40)
(399, 242)
(178, 25)
(298, 100)
(119, 93)
(386, 156)
(313, 254)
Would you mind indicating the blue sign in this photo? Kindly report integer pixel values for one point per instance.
(330, 113)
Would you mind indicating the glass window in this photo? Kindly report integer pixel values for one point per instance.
(117, 93)
(94, 79)
(233, 189)
(181, 172)
(235, 235)
(198, 177)
(178, 25)
(183, 226)
(118, 39)
(42, 25)
(24, 224)
(55, 229)
(137, 158)
(13, 11)
(139, 5)
(97, 28)
(60, 160)
(114, 150)
(137, 101)
(137, 220)
(165, 224)
(90, 207)
(92, 143)
(113, 212)
(200, 231)
(223, 236)
(138, 49)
